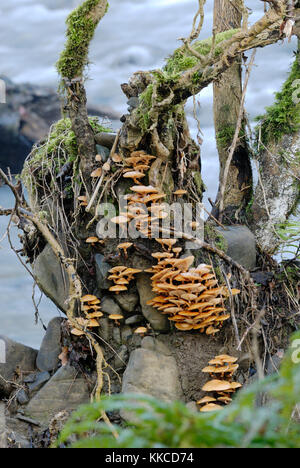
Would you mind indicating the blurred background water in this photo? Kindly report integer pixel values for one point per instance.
(134, 35)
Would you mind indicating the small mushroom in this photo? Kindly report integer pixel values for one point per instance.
(106, 167)
(225, 399)
(88, 298)
(216, 386)
(76, 332)
(118, 288)
(210, 407)
(141, 331)
(179, 193)
(97, 172)
(92, 240)
(167, 242)
(83, 199)
(226, 358)
(144, 189)
(134, 175)
(116, 158)
(95, 315)
(116, 318)
(206, 399)
(125, 246)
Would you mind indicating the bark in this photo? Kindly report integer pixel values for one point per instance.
(82, 24)
(278, 190)
(227, 99)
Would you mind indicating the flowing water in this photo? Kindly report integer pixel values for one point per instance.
(134, 35)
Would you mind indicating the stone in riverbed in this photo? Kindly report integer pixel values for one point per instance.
(40, 380)
(128, 301)
(102, 272)
(15, 356)
(157, 321)
(105, 139)
(108, 306)
(22, 397)
(152, 372)
(134, 319)
(126, 333)
(64, 391)
(241, 245)
(103, 152)
(51, 278)
(121, 358)
(47, 359)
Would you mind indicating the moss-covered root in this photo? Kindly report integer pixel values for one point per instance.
(81, 24)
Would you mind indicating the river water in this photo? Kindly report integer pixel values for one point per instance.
(134, 35)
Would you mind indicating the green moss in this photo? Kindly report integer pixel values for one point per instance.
(145, 106)
(198, 181)
(283, 117)
(182, 60)
(214, 236)
(80, 32)
(225, 136)
(60, 148)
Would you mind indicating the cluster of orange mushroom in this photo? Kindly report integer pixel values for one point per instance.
(138, 165)
(121, 276)
(221, 369)
(143, 208)
(90, 306)
(189, 296)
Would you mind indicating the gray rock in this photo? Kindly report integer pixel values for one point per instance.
(128, 301)
(155, 344)
(102, 269)
(191, 405)
(64, 391)
(30, 378)
(134, 319)
(22, 397)
(47, 359)
(104, 329)
(109, 306)
(103, 152)
(126, 333)
(19, 441)
(152, 373)
(157, 321)
(121, 358)
(41, 379)
(105, 139)
(51, 278)
(116, 335)
(241, 245)
(274, 362)
(16, 356)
